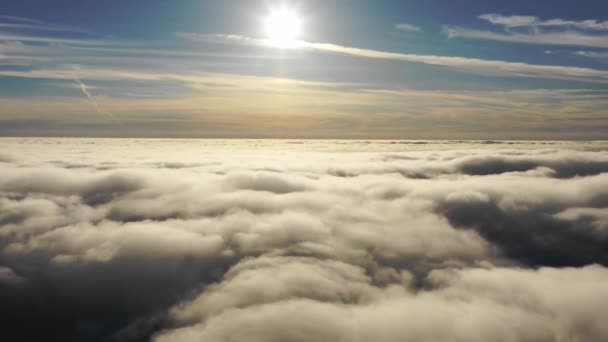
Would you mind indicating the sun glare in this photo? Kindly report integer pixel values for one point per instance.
(283, 28)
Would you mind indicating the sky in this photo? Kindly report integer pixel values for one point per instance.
(352, 69)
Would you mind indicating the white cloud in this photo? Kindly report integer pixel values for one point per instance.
(408, 28)
(602, 56)
(531, 21)
(327, 240)
(540, 312)
(561, 32)
(58, 41)
(509, 21)
(21, 23)
(569, 38)
(472, 65)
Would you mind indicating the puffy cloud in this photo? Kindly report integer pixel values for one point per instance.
(468, 305)
(274, 279)
(218, 241)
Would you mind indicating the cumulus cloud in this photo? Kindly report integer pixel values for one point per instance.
(467, 305)
(127, 240)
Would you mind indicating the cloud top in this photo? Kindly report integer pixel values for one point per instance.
(218, 241)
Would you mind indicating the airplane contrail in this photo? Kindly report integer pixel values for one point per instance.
(85, 90)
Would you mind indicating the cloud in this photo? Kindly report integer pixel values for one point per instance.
(60, 41)
(21, 23)
(546, 38)
(9, 278)
(176, 95)
(486, 295)
(20, 19)
(179, 240)
(33, 27)
(85, 90)
(471, 65)
(316, 109)
(408, 28)
(601, 56)
(531, 21)
(561, 32)
(6, 158)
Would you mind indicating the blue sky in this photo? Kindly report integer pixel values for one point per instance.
(361, 69)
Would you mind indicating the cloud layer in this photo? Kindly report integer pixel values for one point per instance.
(126, 240)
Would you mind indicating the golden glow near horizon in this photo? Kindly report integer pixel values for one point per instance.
(283, 28)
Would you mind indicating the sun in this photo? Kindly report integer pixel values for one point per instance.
(283, 28)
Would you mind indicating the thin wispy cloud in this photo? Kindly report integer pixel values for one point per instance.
(603, 56)
(547, 38)
(471, 65)
(57, 41)
(34, 27)
(408, 28)
(532, 21)
(85, 90)
(561, 32)
(463, 64)
(263, 102)
(20, 19)
(21, 23)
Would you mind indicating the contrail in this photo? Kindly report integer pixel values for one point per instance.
(98, 109)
